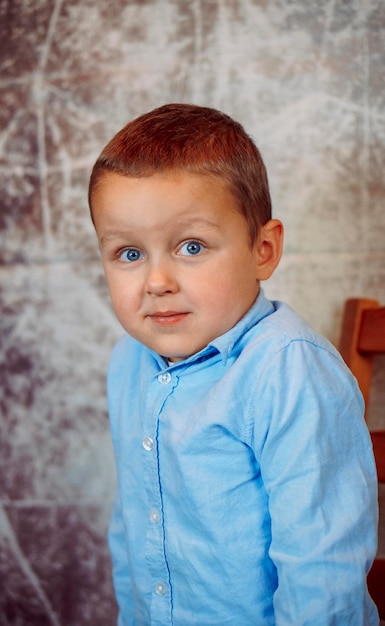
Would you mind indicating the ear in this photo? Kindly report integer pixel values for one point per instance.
(268, 248)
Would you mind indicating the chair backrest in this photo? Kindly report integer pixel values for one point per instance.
(363, 336)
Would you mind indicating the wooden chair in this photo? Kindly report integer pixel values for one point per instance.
(363, 336)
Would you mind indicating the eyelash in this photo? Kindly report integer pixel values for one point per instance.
(137, 255)
(128, 251)
(193, 242)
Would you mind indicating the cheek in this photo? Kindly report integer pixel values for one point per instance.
(214, 296)
(205, 289)
(232, 291)
(122, 293)
(231, 280)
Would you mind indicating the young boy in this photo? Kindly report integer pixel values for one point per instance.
(246, 483)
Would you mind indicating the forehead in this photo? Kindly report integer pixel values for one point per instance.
(166, 206)
(177, 192)
(179, 177)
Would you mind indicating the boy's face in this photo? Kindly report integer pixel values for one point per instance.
(177, 258)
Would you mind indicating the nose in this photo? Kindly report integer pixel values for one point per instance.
(161, 279)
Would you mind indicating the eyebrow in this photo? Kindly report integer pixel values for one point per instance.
(182, 223)
(115, 234)
(195, 222)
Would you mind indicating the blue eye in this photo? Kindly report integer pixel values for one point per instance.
(191, 248)
(130, 255)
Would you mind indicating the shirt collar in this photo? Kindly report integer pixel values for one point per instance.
(224, 344)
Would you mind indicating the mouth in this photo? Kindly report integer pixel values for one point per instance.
(168, 318)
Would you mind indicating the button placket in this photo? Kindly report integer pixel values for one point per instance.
(161, 387)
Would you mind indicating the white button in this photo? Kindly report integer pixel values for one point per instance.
(160, 589)
(148, 443)
(164, 378)
(154, 516)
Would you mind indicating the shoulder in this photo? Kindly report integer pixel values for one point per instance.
(125, 357)
(297, 380)
(130, 362)
(290, 355)
(122, 352)
(282, 329)
(124, 347)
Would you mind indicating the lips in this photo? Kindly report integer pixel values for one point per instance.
(168, 318)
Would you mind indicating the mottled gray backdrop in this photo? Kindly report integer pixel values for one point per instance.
(307, 80)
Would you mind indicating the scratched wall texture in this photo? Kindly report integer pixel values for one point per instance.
(307, 80)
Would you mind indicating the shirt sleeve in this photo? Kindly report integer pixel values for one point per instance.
(319, 473)
(120, 567)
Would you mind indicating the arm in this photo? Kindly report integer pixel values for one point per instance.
(120, 567)
(319, 473)
(116, 532)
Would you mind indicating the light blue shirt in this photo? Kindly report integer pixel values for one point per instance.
(246, 481)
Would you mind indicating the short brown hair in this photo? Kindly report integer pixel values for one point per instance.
(196, 139)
